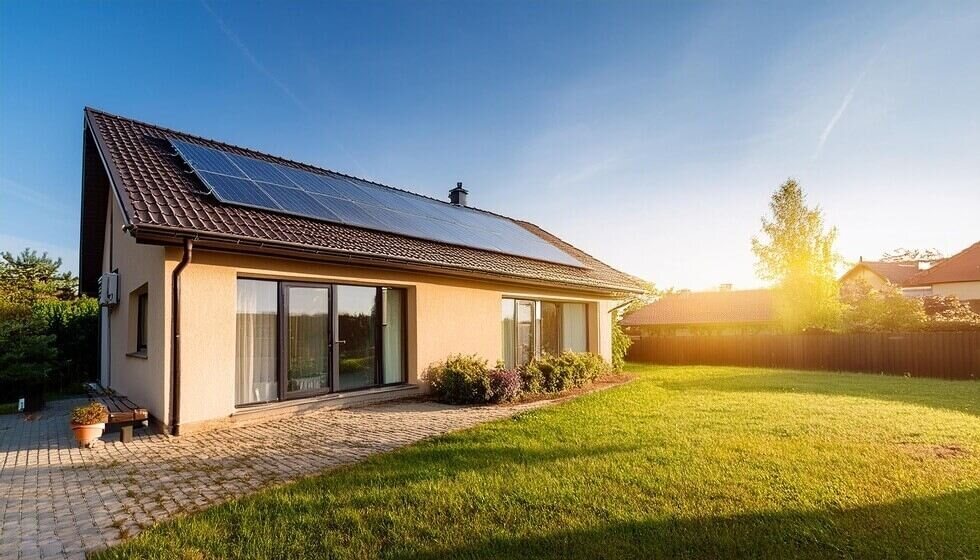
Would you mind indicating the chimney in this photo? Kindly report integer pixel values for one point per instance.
(457, 196)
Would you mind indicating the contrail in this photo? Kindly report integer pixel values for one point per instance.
(247, 53)
(844, 104)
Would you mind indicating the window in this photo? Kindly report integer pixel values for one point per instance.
(141, 304)
(256, 338)
(530, 328)
(297, 339)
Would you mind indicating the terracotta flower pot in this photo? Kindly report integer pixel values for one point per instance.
(86, 434)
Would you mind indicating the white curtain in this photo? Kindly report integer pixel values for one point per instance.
(256, 336)
(574, 332)
(394, 336)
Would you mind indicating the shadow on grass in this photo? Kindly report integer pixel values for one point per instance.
(959, 396)
(937, 527)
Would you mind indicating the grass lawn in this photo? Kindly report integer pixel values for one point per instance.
(688, 462)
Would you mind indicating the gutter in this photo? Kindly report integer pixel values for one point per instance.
(286, 249)
(175, 338)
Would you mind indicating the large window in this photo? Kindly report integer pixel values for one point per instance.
(302, 339)
(530, 328)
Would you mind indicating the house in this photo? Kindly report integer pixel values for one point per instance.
(717, 312)
(957, 276)
(237, 284)
(878, 274)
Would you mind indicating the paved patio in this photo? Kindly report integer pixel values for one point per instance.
(58, 501)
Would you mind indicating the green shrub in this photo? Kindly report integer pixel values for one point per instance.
(75, 327)
(621, 342)
(461, 379)
(27, 352)
(568, 370)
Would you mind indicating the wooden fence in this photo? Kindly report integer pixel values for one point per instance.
(951, 355)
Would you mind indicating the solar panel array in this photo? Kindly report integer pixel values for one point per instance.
(247, 181)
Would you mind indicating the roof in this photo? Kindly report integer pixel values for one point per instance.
(700, 308)
(162, 203)
(895, 272)
(961, 267)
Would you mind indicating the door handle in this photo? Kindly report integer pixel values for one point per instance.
(341, 342)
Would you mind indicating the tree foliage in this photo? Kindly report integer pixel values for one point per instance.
(48, 334)
(882, 309)
(796, 252)
(28, 277)
(905, 255)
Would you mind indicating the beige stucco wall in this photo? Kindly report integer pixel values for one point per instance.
(445, 315)
(140, 378)
(962, 290)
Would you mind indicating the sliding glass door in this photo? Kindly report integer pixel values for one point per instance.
(303, 339)
(357, 322)
(308, 339)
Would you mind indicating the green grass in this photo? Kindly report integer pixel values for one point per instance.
(685, 462)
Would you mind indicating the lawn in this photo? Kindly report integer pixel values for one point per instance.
(687, 462)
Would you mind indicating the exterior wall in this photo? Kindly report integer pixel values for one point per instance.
(854, 278)
(445, 315)
(962, 290)
(140, 377)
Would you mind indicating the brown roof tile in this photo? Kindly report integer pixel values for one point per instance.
(159, 195)
(961, 267)
(694, 308)
(895, 272)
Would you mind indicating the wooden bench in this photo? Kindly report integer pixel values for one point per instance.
(122, 411)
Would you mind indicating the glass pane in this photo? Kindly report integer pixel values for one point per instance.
(256, 336)
(507, 331)
(394, 336)
(525, 331)
(550, 328)
(357, 316)
(574, 333)
(308, 342)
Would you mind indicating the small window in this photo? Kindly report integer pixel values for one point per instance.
(141, 302)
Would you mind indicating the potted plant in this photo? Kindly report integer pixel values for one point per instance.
(88, 422)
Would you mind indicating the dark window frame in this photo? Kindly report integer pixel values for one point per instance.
(142, 321)
(282, 312)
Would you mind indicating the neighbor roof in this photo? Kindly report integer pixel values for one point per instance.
(895, 272)
(694, 308)
(161, 203)
(961, 267)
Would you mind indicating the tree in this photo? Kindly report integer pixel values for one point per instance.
(905, 255)
(950, 314)
(29, 277)
(882, 309)
(798, 255)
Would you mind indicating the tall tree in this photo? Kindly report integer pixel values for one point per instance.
(28, 278)
(797, 253)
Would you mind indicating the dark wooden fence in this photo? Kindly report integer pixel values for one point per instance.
(951, 355)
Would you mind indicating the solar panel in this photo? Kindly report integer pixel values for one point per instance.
(236, 179)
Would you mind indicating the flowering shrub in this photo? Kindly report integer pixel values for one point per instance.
(505, 385)
(467, 379)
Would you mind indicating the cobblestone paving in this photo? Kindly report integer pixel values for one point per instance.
(58, 501)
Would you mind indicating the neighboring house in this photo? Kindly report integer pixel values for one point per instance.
(878, 274)
(247, 283)
(691, 313)
(957, 276)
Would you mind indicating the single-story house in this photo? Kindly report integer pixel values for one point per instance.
(724, 311)
(236, 283)
(957, 276)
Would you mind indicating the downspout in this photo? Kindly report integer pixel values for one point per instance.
(175, 339)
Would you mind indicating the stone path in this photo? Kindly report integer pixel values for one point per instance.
(58, 501)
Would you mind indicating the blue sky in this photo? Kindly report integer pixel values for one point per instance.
(648, 134)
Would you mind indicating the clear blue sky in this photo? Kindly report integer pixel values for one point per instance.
(650, 135)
